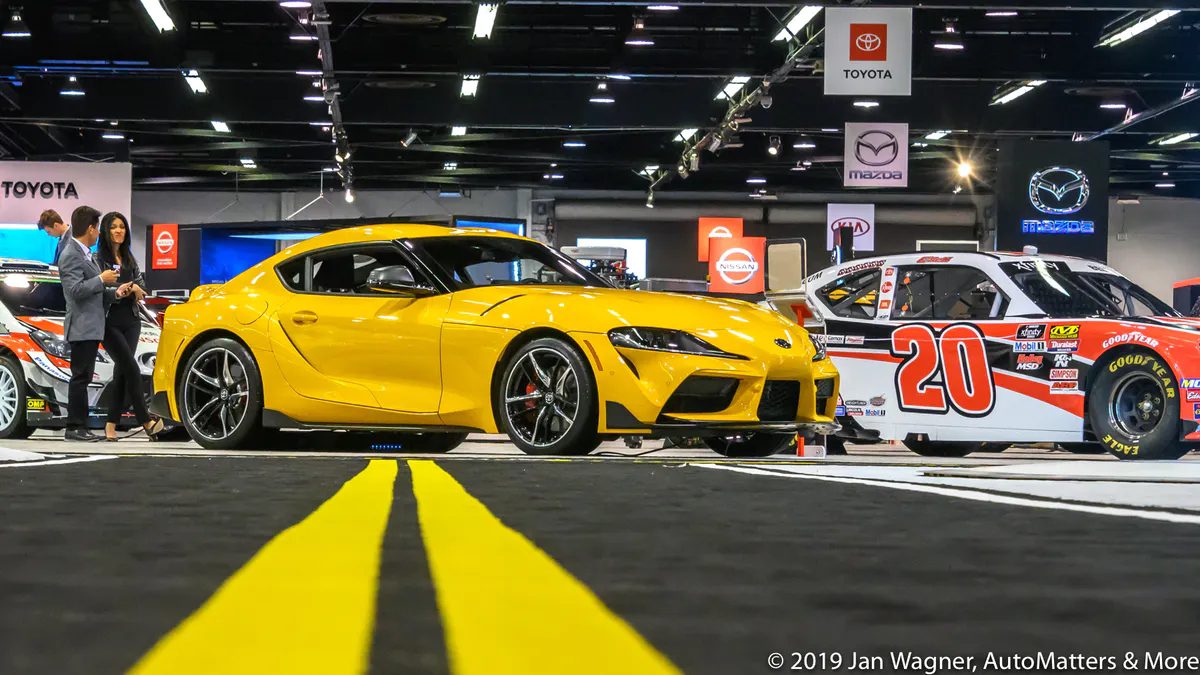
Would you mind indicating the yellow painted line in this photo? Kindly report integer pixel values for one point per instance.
(507, 606)
(305, 603)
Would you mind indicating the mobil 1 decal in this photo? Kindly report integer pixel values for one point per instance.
(943, 370)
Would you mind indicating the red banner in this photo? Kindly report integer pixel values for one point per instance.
(737, 265)
(715, 228)
(164, 246)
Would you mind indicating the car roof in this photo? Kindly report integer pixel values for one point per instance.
(919, 257)
(387, 232)
(22, 266)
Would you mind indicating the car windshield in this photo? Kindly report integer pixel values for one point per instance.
(23, 295)
(467, 262)
(1064, 293)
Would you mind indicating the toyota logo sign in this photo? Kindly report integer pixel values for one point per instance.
(868, 42)
(1059, 190)
(164, 242)
(860, 226)
(736, 266)
(876, 148)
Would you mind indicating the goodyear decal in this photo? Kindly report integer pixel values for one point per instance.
(1160, 371)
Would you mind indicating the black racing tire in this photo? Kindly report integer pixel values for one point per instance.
(993, 447)
(1133, 407)
(1083, 448)
(942, 448)
(751, 444)
(431, 441)
(545, 400)
(13, 392)
(239, 426)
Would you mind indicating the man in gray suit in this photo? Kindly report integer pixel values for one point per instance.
(52, 224)
(88, 294)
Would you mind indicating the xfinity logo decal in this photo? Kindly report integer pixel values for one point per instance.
(1059, 190)
(44, 189)
(736, 266)
(876, 148)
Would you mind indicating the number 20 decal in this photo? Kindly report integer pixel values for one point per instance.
(957, 356)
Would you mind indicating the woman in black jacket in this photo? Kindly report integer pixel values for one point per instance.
(123, 327)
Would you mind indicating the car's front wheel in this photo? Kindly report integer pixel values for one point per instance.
(751, 444)
(12, 400)
(220, 396)
(546, 400)
(1133, 407)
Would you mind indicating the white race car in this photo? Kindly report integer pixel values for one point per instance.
(35, 364)
(954, 352)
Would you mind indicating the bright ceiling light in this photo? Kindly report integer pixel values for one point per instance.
(192, 77)
(220, 126)
(315, 98)
(1176, 138)
(1113, 105)
(409, 138)
(949, 40)
(919, 144)
(639, 37)
(309, 73)
(248, 163)
(470, 85)
(552, 176)
(937, 135)
(866, 104)
(458, 131)
(797, 22)
(804, 143)
(619, 76)
(574, 144)
(450, 166)
(756, 180)
(72, 88)
(1001, 12)
(301, 36)
(16, 28)
(602, 99)
(733, 87)
(349, 195)
(158, 14)
(1018, 92)
(295, 4)
(485, 20)
(773, 146)
(685, 135)
(1164, 185)
(1148, 20)
(662, 8)
(113, 136)
(964, 169)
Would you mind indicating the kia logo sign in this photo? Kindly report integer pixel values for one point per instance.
(868, 42)
(860, 226)
(164, 242)
(876, 148)
(721, 232)
(736, 266)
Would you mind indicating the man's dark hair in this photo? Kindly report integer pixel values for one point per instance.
(48, 219)
(83, 218)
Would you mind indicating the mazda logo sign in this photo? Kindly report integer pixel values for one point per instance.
(1059, 190)
(876, 148)
(868, 42)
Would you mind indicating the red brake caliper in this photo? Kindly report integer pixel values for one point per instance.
(530, 389)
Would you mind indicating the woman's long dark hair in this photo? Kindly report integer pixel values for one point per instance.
(104, 250)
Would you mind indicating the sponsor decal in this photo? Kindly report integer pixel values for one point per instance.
(1061, 387)
(854, 412)
(1135, 337)
(878, 400)
(1196, 410)
(35, 404)
(886, 287)
(839, 411)
(1059, 190)
(39, 359)
(1064, 345)
(1032, 266)
(934, 259)
(885, 304)
(1062, 360)
(891, 271)
(21, 189)
(1118, 446)
(869, 265)
(736, 266)
(1190, 383)
(1033, 331)
(1064, 332)
(856, 402)
(1191, 395)
(1064, 373)
(835, 339)
(1131, 360)
(874, 413)
(855, 339)
(1029, 361)
(1029, 346)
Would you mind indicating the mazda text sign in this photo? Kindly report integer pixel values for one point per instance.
(868, 51)
(876, 155)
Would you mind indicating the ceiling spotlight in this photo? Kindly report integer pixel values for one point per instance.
(295, 4)
(485, 20)
(220, 126)
(409, 138)
(773, 146)
(807, 162)
(349, 195)
(797, 22)
(470, 85)
(458, 131)
(1148, 19)
(72, 88)
(16, 28)
(866, 104)
(964, 169)
(804, 143)
(957, 189)
(639, 37)
(1113, 105)
(1016, 92)
(158, 14)
(301, 36)
(194, 81)
(949, 40)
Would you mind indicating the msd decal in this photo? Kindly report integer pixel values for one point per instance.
(886, 287)
(1029, 361)
(1032, 332)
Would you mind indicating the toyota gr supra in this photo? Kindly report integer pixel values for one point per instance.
(421, 334)
(35, 360)
(958, 352)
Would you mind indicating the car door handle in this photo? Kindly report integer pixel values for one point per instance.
(304, 318)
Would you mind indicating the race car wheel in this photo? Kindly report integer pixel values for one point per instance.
(1083, 448)
(751, 444)
(12, 400)
(942, 448)
(546, 400)
(1133, 406)
(220, 396)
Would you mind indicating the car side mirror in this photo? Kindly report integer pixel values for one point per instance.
(397, 279)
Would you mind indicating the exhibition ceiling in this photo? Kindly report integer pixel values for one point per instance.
(575, 95)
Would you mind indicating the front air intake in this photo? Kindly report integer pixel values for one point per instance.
(780, 401)
(702, 394)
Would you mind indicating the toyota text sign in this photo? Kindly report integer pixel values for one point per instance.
(860, 218)
(163, 247)
(712, 229)
(868, 51)
(876, 155)
(736, 265)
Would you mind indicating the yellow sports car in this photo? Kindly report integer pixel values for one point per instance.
(421, 334)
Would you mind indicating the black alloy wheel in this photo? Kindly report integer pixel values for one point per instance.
(546, 401)
(220, 396)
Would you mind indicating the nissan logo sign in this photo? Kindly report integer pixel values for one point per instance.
(1059, 190)
(164, 242)
(736, 266)
(720, 232)
(859, 225)
(876, 148)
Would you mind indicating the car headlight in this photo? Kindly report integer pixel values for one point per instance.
(51, 343)
(665, 340)
(818, 348)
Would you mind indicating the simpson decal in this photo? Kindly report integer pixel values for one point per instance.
(1066, 332)
(1064, 373)
(1035, 331)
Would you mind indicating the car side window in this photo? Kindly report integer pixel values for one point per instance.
(953, 292)
(854, 296)
(343, 270)
(292, 273)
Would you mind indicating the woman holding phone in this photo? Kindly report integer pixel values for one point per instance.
(123, 327)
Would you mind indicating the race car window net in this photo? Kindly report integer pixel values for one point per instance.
(854, 296)
(31, 296)
(1063, 293)
(467, 262)
(953, 292)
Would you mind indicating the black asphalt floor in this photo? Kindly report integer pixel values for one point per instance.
(715, 569)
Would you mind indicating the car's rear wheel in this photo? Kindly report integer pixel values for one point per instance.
(751, 444)
(12, 400)
(1133, 407)
(546, 400)
(927, 448)
(220, 396)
